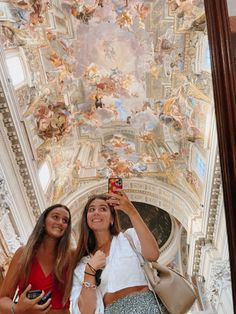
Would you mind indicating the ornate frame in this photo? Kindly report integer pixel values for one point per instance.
(225, 110)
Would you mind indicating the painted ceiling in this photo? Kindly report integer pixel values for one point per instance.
(113, 88)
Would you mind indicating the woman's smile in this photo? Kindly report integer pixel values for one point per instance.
(99, 215)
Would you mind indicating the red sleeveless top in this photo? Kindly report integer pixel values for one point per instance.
(38, 280)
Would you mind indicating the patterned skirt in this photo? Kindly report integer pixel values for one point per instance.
(138, 303)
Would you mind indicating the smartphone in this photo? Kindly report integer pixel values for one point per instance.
(32, 294)
(45, 297)
(114, 183)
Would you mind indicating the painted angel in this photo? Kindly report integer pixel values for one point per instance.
(124, 19)
(84, 12)
(142, 10)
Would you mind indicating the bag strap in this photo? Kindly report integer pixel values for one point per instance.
(142, 261)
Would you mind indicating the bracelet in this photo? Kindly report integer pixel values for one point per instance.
(91, 267)
(87, 284)
(89, 274)
(12, 308)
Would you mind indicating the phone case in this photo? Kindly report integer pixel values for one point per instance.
(32, 294)
(114, 183)
(45, 297)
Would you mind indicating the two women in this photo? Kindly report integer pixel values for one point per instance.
(42, 264)
(108, 277)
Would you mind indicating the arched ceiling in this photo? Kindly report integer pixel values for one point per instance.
(112, 88)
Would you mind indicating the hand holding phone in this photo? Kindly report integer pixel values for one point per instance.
(32, 294)
(45, 298)
(114, 184)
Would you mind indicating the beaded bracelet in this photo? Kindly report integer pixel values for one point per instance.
(87, 284)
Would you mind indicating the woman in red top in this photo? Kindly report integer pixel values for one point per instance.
(43, 263)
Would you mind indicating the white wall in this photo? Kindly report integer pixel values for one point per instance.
(232, 7)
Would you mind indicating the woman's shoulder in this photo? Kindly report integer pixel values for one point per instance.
(10, 281)
(18, 253)
(16, 260)
(130, 232)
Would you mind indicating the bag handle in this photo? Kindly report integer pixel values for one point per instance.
(143, 260)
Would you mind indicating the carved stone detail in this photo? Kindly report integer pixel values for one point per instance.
(5, 255)
(16, 148)
(220, 279)
(23, 95)
(8, 232)
(215, 197)
(216, 192)
(199, 244)
(3, 194)
(12, 239)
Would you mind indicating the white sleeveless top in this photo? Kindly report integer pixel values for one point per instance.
(122, 270)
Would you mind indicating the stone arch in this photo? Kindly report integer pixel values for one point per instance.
(159, 194)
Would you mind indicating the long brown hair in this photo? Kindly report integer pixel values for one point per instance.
(35, 240)
(87, 241)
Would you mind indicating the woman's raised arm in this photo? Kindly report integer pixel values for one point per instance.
(149, 246)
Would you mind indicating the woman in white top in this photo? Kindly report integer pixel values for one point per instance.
(121, 286)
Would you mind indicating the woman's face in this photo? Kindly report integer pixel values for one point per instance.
(57, 222)
(99, 215)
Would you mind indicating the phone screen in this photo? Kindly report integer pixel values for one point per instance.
(114, 183)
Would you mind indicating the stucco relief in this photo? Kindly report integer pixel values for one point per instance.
(220, 279)
(8, 232)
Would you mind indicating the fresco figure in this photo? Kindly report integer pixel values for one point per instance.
(52, 121)
(84, 12)
(98, 102)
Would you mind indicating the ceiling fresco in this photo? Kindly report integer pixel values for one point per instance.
(113, 88)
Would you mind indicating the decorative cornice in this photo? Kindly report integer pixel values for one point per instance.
(3, 194)
(199, 244)
(214, 202)
(211, 219)
(17, 150)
